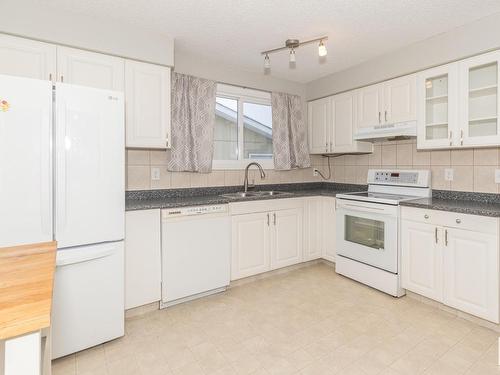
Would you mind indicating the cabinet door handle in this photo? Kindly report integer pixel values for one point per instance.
(379, 117)
(426, 216)
(451, 134)
(62, 78)
(385, 115)
(458, 221)
(436, 234)
(331, 146)
(274, 219)
(167, 141)
(267, 219)
(461, 137)
(326, 146)
(50, 76)
(446, 237)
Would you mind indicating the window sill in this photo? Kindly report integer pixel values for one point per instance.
(240, 164)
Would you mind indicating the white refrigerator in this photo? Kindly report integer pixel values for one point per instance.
(62, 177)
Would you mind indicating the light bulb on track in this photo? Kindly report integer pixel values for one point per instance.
(267, 62)
(322, 52)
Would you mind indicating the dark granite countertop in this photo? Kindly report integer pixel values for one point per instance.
(171, 198)
(483, 204)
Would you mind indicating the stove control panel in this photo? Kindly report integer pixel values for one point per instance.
(401, 177)
(416, 178)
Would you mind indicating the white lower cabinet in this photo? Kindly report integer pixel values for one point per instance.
(452, 258)
(250, 245)
(421, 259)
(266, 240)
(286, 238)
(313, 228)
(471, 272)
(328, 224)
(142, 257)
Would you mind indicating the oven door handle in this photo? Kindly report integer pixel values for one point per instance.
(354, 207)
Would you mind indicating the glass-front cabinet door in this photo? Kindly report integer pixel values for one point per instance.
(479, 100)
(437, 104)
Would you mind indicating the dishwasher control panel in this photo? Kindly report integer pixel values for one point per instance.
(196, 210)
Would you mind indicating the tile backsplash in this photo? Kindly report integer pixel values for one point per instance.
(141, 162)
(473, 169)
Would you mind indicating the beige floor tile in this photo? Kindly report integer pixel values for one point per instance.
(306, 321)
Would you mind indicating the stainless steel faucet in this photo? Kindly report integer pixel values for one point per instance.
(262, 174)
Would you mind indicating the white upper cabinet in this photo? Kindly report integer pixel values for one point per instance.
(91, 69)
(437, 106)
(400, 99)
(147, 93)
(332, 123)
(319, 112)
(27, 58)
(370, 105)
(479, 100)
(457, 104)
(343, 126)
(387, 102)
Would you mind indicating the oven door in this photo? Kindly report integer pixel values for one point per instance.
(368, 233)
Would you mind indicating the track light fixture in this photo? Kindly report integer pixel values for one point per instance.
(267, 62)
(292, 45)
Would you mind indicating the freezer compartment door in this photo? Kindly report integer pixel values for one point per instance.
(90, 166)
(88, 302)
(25, 161)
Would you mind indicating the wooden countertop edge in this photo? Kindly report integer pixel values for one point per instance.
(26, 282)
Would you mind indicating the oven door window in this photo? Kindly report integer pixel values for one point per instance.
(366, 232)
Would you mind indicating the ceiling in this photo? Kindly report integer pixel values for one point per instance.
(234, 32)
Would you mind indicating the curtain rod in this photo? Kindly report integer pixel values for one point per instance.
(243, 87)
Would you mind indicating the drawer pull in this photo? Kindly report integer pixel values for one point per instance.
(426, 216)
(458, 221)
(436, 234)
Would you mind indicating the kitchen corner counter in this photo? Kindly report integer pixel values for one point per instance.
(482, 204)
(26, 288)
(154, 199)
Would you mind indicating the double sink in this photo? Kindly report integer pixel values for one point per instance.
(255, 194)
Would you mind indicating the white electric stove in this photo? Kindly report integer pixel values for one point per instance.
(367, 242)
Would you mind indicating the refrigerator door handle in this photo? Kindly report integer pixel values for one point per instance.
(46, 182)
(83, 257)
(60, 168)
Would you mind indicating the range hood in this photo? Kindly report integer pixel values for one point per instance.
(379, 133)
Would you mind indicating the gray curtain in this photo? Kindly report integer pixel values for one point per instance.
(290, 146)
(193, 122)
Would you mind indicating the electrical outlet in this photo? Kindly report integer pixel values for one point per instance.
(497, 176)
(315, 172)
(448, 174)
(155, 174)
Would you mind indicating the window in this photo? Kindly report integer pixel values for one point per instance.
(243, 128)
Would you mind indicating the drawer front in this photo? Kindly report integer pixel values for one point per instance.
(241, 208)
(483, 224)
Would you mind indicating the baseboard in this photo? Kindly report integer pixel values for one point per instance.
(471, 318)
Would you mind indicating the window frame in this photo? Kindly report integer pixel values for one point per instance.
(242, 95)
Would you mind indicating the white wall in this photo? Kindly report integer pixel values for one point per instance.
(191, 64)
(467, 40)
(21, 18)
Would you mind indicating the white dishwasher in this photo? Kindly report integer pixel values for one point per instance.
(196, 247)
